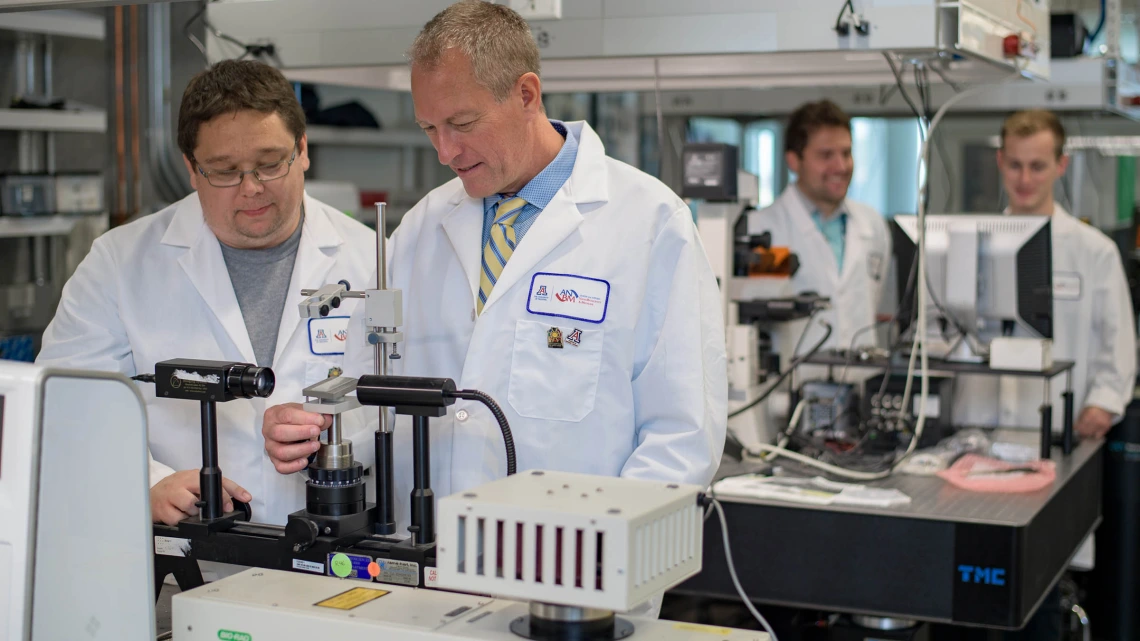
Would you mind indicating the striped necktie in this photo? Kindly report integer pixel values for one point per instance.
(500, 245)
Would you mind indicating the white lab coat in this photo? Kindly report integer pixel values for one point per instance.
(857, 291)
(1092, 325)
(643, 396)
(158, 289)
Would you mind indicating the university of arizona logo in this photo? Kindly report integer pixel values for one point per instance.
(542, 294)
(574, 338)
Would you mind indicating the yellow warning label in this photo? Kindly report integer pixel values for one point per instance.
(705, 629)
(353, 598)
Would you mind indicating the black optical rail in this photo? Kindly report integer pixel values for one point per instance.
(280, 548)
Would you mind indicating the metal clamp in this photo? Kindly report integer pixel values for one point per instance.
(319, 303)
(332, 396)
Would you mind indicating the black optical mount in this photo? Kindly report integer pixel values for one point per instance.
(210, 383)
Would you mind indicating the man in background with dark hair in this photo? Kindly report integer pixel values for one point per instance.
(844, 246)
(218, 276)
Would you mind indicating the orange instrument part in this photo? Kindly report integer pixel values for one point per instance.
(773, 261)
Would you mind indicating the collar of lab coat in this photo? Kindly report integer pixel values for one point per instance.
(797, 204)
(1059, 213)
(588, 183)
(189, 224)
(206, 268)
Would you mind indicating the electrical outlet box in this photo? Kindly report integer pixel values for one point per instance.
(538, 9)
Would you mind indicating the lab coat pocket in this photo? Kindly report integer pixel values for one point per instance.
(554, 374)
(318, 370)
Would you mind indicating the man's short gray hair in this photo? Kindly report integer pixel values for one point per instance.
(495, 38)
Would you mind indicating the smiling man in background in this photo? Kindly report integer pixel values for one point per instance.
(844, 246)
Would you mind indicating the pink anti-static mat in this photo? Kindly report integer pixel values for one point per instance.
(983, 474)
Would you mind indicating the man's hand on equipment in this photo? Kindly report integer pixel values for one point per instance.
(172, 499)
(290, 435)
(1094, 422)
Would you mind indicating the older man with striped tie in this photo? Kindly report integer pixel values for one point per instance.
(569, 286)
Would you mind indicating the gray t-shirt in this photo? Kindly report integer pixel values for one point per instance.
(261, 282)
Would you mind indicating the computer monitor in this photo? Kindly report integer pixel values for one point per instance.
(990, 274)
(709, 171)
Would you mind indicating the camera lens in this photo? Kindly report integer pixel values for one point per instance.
(247, 381)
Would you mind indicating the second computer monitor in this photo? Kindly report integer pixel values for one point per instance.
(989, 274)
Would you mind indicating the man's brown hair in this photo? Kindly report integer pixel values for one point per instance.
(1024, 124)
(810, 118)
(231, 86)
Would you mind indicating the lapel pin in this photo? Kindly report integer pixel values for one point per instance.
(575, 337)
(554, 338)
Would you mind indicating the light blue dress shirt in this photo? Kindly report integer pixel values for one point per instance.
(539, 191)
(833, 227)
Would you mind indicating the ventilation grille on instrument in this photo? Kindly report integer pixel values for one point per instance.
(572, 540)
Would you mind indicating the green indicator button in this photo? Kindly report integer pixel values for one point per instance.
(341, 565)
(230, 635)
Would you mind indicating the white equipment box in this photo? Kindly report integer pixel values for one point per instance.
(287, 606)
(73, 565)
(572, 539)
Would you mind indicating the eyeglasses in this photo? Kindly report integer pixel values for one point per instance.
(264, 173)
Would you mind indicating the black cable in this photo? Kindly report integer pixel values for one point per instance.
(803, 334)
(923, 80)
(899, 83)
(942, 74)
(256, 50)
(848, 357)
(191, 37)
(143, 378)
(922, 119)
(783, 375)
(504, 426)
(839, 26)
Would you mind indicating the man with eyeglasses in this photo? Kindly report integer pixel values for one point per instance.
(218, 276)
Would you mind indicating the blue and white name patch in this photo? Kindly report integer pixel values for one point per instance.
(327, 336)
(569, 296)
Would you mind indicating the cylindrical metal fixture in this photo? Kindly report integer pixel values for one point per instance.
(408, 391)
(567, 614)
(382, 283)
(423, 499)
(335, 492)
(548, 622)
(385, 482)
(334, 431)
(210, 478)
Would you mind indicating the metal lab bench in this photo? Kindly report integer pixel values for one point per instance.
(909, 562)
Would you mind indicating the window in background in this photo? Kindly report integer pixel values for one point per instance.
(762, 156)
(722, 130)
(618, 125)
(649, 154)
